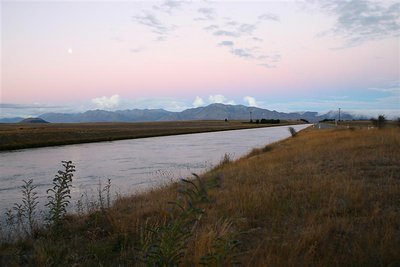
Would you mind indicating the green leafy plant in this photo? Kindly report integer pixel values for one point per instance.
(60, 195)
(165, 244)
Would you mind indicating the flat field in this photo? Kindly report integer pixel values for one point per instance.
(17, 136)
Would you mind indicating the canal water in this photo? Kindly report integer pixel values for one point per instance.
(132, 165)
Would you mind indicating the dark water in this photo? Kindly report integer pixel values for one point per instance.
(132, 165)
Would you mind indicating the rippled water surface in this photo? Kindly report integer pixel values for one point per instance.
(132, 165)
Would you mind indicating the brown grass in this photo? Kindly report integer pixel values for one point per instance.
(17, 136)
(323, 198)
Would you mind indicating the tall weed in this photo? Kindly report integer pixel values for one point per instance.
(165, 244)
(60, 194)
(29, 202)
(104, 195)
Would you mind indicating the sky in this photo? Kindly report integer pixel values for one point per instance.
(73, 56)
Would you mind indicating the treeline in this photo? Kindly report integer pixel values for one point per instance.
(266, 121)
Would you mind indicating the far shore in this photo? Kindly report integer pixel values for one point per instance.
(31, 135)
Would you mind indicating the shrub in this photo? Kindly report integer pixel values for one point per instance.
(292, 131)
(272, 121)
(380, 122)
(327, 120)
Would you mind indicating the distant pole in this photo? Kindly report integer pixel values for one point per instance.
(339, 114)
(251, 118)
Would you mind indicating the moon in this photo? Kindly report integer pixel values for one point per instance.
(69, 50)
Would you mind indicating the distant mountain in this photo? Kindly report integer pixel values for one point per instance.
(88, 116)
(146, 114)
(210, 112)
(233, 112)
(11, 120)
(133, 115)
(33, 120)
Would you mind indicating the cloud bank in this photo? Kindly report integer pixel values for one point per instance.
(198, 102)
(107, 102)
(251, 101)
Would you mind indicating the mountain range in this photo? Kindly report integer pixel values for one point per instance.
(210, 112)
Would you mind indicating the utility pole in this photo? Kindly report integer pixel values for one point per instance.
(251, 118)
(339, 114)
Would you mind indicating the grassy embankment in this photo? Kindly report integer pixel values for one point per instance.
(322, 198)
(17, 136)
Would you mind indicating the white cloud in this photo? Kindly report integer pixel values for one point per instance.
(361, 21)
(170, 104)
(211, 27)
(371, 108)
(212, 99)
(220, 99)
(242, 52)
(169, 6)
(107, 102)
(158, 27)
(226, 33)
(251, 101)
(198, 102)
(246, 28)
(269, 16)
(226, 43)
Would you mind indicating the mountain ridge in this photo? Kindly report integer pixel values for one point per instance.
(214, 111)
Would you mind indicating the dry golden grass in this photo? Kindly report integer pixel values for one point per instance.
(323, 198)
(17, 136)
